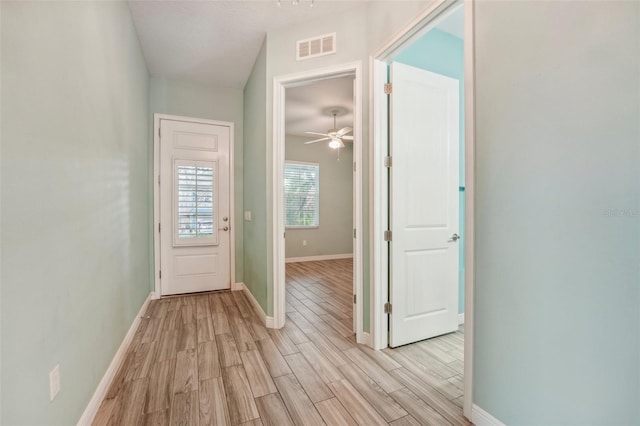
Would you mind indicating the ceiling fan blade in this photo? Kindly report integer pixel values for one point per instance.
(346, 138)
(316, 133)
(344, 131)
(317, 140)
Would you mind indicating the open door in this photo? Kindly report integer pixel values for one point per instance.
(424, 175)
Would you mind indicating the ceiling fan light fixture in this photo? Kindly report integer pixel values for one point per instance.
(335, 136)
(335, 144)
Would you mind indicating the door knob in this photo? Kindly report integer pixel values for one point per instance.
(226, 228)
(455, 237)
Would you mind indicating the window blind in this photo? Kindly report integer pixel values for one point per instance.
(301, 194)
(195, 206)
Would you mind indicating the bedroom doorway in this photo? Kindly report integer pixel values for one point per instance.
(307, 233)
(318, 204)
(440, 89)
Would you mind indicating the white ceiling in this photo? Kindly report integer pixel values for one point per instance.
(216, 42)
(305, 106)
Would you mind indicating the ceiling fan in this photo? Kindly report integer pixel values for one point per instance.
(335, 136)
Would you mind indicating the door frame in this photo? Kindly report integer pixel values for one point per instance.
(280, 84)
(155, 181)
(378, 62)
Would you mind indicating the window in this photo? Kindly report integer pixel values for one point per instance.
(301, 195)
(195, 181)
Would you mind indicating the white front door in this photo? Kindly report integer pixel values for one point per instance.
(424, 176)
(195, 224)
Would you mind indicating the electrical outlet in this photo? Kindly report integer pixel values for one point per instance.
(304, 243)
(54, 382)
(247, 216)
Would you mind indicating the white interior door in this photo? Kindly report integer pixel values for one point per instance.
(424, 176)
(195, 224)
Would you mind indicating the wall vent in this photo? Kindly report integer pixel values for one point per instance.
(316, 46)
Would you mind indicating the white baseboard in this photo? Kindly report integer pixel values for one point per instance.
(237, 286)
(270, 323)
(103, 387)
(317, 258)
(266, 320)
(461, 318)
(479, 417)
(364, 339)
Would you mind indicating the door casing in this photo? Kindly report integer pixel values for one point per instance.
(155, 179)
(281, 83)
(378, 61)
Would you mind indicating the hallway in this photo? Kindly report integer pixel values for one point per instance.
(206, 360)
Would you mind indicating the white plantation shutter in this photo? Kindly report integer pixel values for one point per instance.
(301, 194)
(195, 203)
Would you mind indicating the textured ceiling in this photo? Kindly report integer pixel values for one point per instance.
(305, 106)
(216, 42)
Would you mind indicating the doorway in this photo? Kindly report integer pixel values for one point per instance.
(341, 145)
(384, 261)
(193, 205)
(318, 202)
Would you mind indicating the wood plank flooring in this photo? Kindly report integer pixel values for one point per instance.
(206, 359)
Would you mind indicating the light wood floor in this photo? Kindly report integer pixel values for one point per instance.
(207, 360)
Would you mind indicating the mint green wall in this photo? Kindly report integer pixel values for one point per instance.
(334, 236)
(212, 103)
(358, 33)
(255, 186)
(75, 211)
(557, 324)
(443, 53)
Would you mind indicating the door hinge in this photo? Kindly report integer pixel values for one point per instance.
(354, 298)
(354, 232)
(158, 131)
(158, 179)
(160, 273)
(387, 308)
(387, 161)
(388, 235)
(388, 88)
(354, 166)
(158, 227)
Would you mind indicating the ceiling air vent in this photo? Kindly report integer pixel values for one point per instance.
(316, 46)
